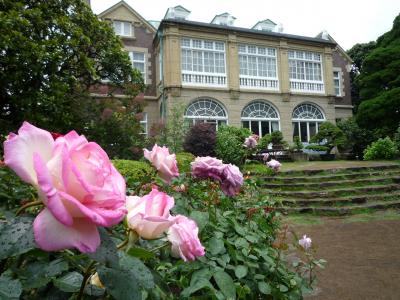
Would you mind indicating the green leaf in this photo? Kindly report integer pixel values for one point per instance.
(264, 288)
(16, 237)
(225, 284)
(241, 271)
(107, 252)
(40, 273)
(198, 285)
(201, 218)
(241, 243)
(120, 285)
(138, 270)
(69, 283)
(10, 289)
(215, 246)
(283, 288)
(140, 253)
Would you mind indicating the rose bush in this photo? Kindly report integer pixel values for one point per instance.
(76, 182)
(182, 238)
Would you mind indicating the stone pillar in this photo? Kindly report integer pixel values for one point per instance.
(172, 58)
(283, 70)
(328, 72)
(232, 62)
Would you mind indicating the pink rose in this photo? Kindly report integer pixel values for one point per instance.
(232, 180)
(76, 181)
(163, 161)
(305, 242)
(183, 236)
(250, 142)
(149, 215)
(274, 164)
(208, 167)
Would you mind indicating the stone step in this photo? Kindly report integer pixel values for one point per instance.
(339, 170)
(341, 201)
(328, 210)
(330, 177)
(338, 184)
(335, 193)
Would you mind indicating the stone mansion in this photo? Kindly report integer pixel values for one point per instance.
(259, 78)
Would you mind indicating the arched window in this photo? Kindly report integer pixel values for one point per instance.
(306, 118)
(261, 118)
(206, 110)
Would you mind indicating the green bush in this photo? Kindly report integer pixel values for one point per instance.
(134, 171)
(330, 135)
(381, 149)
(318, 148)
(397, 138)
(184, 159)
(297, 145)
(229, 146)
(276, 138)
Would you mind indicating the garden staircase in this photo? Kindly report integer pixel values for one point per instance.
(336, 191)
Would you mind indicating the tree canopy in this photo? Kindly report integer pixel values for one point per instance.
(379, 82)
(51, 53)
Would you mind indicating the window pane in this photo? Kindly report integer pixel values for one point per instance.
(303, 132)
(117, 27)
(139, 66)
(313, 129)
(264, 128)
(274, 126)
(245, 124)
(254, 127)
(138, 56)
(127, 28)
(295, 129)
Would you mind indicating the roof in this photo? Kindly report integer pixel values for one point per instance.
(265, 21)
(222, 15)
(177, 7)
(319, 35)
(134, 12)
(246, 30)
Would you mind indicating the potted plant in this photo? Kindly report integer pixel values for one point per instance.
(328, 137)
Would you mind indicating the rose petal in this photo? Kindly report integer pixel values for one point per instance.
(51, 235)
(19, 149)
(49, 194)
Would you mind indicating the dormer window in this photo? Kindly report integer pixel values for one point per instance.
(224, 19)
(123, 28)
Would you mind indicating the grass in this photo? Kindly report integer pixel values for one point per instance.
(362, 216)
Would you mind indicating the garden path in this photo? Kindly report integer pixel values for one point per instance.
(363, 254)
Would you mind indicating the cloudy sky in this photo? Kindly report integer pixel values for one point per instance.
(347, 21)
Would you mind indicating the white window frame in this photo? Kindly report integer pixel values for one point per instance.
(123, 24)
(261, 104)
(143, 121)
(220, 116)
(337, 79)
(133, 61)
(194, 53)
(314, 119)
(304, 84)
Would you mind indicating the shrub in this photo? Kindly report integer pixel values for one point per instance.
(134, 171)
(184, 159)
(381, 149)
(277, 138)
(229, 146)
(357, 138)
(264, 142)
(200, 140)
(330, 135)
(397, 138)
(318, 148)
(176, 128)
(297, 145)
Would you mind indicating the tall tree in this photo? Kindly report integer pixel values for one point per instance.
(51, 52)
(379, 84)
(358, 53)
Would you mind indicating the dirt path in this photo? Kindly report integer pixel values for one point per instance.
(363, 259)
